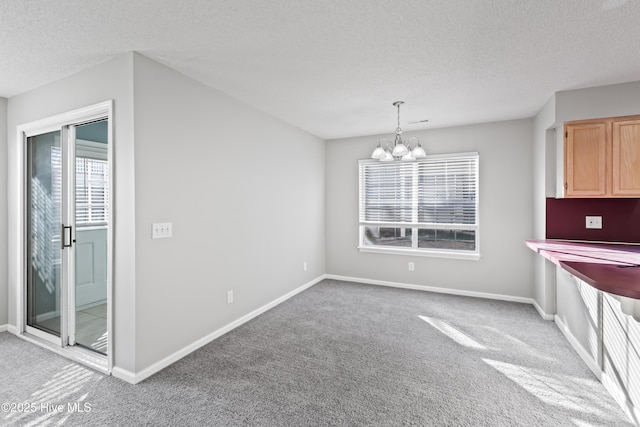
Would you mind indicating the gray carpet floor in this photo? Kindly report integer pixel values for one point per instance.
(337, 354)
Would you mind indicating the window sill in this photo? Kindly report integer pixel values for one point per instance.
(473, 256)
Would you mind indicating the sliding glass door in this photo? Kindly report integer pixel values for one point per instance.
(91, 232)
(67, 235)
(44, 230)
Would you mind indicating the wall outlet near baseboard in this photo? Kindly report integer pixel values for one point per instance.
(229, 297)
(412, 266)
(304, 266)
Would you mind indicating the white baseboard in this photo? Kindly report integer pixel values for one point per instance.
(124, 375)
(91, 304)
(12, 329)
(3, 328)
(135, 378)
(541, 312)
(586, 357)
(47, 316)
(432, 289)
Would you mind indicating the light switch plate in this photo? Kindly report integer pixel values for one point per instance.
(162, 230)
(594, 222)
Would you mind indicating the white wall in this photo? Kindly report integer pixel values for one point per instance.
(577, 311)
(110, 80)
(245, 194)
(602, 101)
(3, 212)
(543, 184)
(506, 212)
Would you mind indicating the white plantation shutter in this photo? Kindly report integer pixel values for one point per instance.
(436, 193)
(92, 195)
(92, 188)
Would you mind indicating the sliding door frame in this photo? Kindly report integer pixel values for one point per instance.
(64, 122)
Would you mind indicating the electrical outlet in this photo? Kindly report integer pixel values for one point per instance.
(304, 266)
(161, 230)
(412, 266)
(229, 297)
(594, 222)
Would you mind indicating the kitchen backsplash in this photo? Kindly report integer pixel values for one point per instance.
(620, 219)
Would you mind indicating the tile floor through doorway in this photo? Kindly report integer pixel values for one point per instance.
(91, 327)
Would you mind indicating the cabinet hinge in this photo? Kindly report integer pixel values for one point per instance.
(566, 186)
(566, 134)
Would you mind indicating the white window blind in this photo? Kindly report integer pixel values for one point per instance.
(447, 190)
(386, 192)
(427, 205)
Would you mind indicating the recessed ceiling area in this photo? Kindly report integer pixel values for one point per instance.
(334, 67)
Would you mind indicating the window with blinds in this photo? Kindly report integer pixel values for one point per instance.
(92, 188)
(428, 206)
(92, 191)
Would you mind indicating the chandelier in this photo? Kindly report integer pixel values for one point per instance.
(388, 151)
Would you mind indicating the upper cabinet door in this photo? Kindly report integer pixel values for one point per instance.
(586, 153)
(626, 158)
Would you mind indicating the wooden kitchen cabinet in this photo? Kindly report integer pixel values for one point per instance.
(626, 158)
(602, 158)
(586, 150)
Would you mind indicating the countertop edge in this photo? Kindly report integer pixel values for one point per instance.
(573, 267)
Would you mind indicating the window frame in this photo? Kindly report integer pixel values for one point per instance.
(414, 226)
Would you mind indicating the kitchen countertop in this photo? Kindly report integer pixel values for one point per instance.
(611, 268)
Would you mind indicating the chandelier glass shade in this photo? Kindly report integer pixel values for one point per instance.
(388, 151)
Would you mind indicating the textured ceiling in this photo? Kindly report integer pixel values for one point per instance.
(334, 67)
